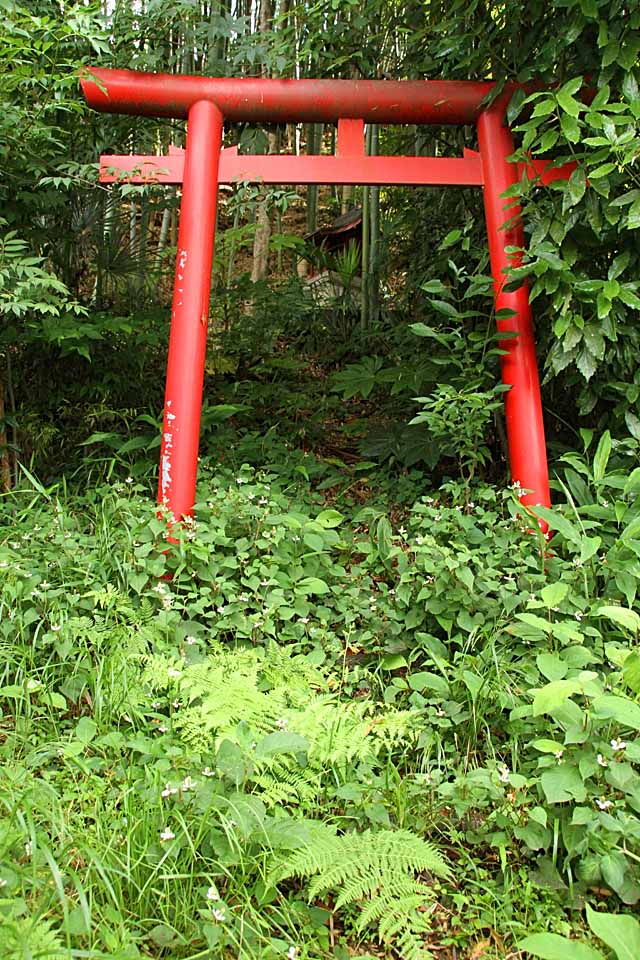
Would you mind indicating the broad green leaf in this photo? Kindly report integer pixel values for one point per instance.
(614, 867)
(585, 360)
(553, 695)
(443, 306)
(601, 457)
(577, 185)
(568, 103)
(329, 518)
(312, 585)
(85, 730)
(281, 741)
(621, 933)
(393, 661)
(631, 671)
(621, 709)
(554, 593)
(560, 523)
(551, 666)
(424, 680)
(551, 946)
(633, 423)
(563, 783)
(623, 616)
(602, 171)
(473, 683)
(547, 746)
(534, 621)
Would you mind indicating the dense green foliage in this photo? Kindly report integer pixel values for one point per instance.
(362, 705)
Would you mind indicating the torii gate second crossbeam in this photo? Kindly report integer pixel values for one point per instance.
(206, 102)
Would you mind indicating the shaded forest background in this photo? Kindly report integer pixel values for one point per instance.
(86, 270)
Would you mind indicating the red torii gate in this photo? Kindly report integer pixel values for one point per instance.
(206, 102)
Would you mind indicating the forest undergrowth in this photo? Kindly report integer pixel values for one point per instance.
(309, 730)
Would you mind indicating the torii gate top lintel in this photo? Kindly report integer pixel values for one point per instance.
(266, 100)
(206, 102)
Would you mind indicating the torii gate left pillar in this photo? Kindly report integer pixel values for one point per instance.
(190, 310)
(205, 102)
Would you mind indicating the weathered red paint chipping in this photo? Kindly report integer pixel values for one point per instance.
(188, 335)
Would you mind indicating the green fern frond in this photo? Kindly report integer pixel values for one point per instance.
(29, 937)
(378, 872)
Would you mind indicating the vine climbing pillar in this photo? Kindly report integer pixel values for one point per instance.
(190, 312)
(523, 405)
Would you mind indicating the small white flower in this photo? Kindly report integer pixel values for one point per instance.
(176, 704)
(212, 894)
(244, 598)
(304, 619)
(169, 790)
(603, 804)
(263, 501)
(601, 761)
(207, 772)
(162, 728)
(504, 773)
(281, 724)
(28, 848)
(219, 915)
(221, 609)
(55, 627)
(159, 588)
(578, 616)
(618, 745)
(190, 641)
(264, 583)
(155, 705)
(129, 480)
(401, 531)
(167, 834)
(559, 755)
(292, 953)
(188, 784)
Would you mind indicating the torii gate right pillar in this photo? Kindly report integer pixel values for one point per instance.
(523, 404)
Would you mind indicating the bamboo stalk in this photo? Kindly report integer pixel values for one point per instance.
(374, 234)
